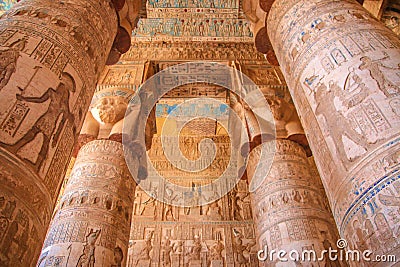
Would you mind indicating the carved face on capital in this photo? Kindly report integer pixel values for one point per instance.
(275, 106)
(281, 110)
(110, 109)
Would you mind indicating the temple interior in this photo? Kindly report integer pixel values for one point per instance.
(199, 133)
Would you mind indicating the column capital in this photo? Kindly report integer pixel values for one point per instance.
(264, 46)
(128, 15)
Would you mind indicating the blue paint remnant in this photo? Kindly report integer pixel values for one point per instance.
(369, 194)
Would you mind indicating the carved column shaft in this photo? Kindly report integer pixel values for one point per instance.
(94, 219)
(51, 55)
(291, 211)
(342, 68)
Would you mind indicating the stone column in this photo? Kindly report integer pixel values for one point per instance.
(89, 132)
(342, 68)
(94, 219)
(51, 54)
(290, 208)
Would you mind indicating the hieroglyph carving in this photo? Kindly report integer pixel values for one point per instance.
(208, 235)
(192, 51)
(290, 202)
(194, 4)
(95, 210)
(190, 29)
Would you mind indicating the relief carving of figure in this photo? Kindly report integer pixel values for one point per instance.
(193, 199)
(395, 106)
(47, 123)
(178, 249)
(166, 249)
(9, 208)
(385, 232)
(145, 252)
(169, 213)
(127, 78)
(392, 21)
(371, 235)
(87, 259)
(239, 249)
(8, 60)
(149, 206)
(376, 70)
(359, 238)
(327, 245)
(214, 211)
(9, 238)
(339, 125)
(216, 251)
(235, 205)
(194, 252)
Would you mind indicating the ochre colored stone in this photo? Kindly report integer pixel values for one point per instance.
(93, 221)
(50, 62)
(290, 208)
